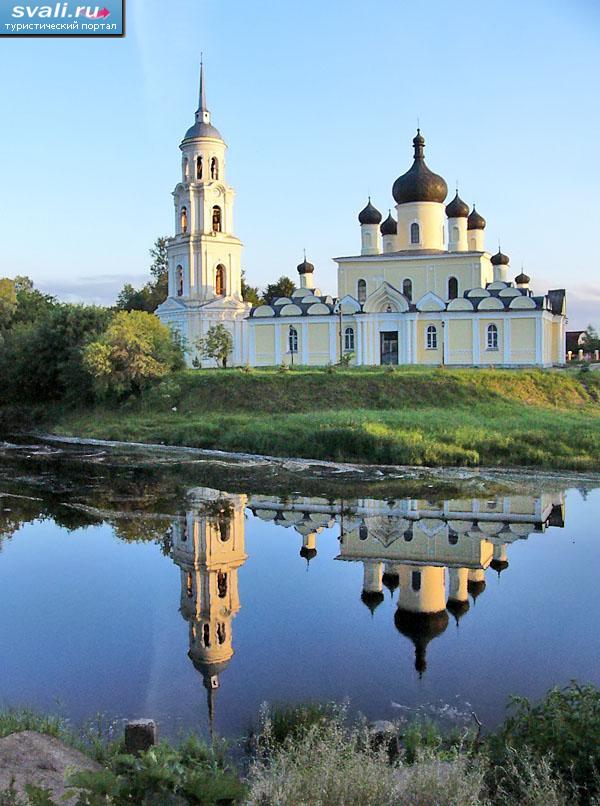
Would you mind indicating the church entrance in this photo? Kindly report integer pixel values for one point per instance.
(389, 347)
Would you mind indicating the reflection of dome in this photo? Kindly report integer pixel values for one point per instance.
(391, 581)
(499, 565)
(308, 554)
(421, 628)
(372, 599)
(419, 184)
(457, 208)
(476, 587)
(457, 608)
(369, 215)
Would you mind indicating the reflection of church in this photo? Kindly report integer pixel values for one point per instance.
(208, 547)
(434, 557)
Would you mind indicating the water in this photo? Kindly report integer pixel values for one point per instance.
(136, 591)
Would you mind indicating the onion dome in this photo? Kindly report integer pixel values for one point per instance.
(499, 566)
(372, 599)
(419, 184)
(499, 259)
(457, 208)
(476, 587)
(369, 215)
(421, 628)
(522, 279)
(457, 608)
(308, 554)
(389, 226)
(390, 580)
(475, 221)
(305, 267)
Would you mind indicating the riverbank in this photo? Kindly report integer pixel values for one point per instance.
(409, 416)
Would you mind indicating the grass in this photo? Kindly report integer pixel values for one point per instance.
(419, 416)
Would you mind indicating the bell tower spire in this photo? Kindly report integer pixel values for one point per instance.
(202, 115)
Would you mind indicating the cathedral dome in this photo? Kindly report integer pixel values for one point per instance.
(476, 587)
(389, 226)
(369, 215)
(499, 566)
(421, 628)
(202, 129)
(419, 184)
(499, 259)
(475, 221)
(372, 599)
(522, 279)
(305, 267)
(457, 608)
(457, 208)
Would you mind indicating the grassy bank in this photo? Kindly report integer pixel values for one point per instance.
(409, 416)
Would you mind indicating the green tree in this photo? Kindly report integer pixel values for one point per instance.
(284, 287)
(591, 340)
(32, 304)
(250, 293)
(8, 301)
(217, 344)
(135, 350)
(151, 295)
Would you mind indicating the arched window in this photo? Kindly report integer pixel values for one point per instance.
(361, 291)
(415, 235)
(184, 220)
(216, 218)
(224, 529)
(190, 585)
(186, 169)
(222, 584)
(408, 535)
(366, 239)
(206, 635)
(349, 338)
(293, 340)
(452, 288)
(199, 167)
(415, 581)
(221, 633)
(492, 337)
(431, 337)
(407, 289)
(214, 168)
(220, 281)
(363, 532)
(452, 538)
(455, 234)
(179, 283)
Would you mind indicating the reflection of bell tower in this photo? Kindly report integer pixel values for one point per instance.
(208, 547)
(421, 613)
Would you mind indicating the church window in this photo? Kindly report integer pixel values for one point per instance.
(452, 538)
(349, 338)
(221, 633)
(408, 535)
(415, 581)
(293, 340)
(190, 585)
(206, 635)
(184, 532)
(363, 532)
(222, 584)
(415, 235)
(407, 289)
(455, 234)
(432, 337)
(186, 169)
(216, 218)
(452, 288)
(492, 337)
(366, 239)
(198, 167)
(361, 291)
(224, 529)
(214, 168)
(184, 220)
(179, 280)
(220, 281)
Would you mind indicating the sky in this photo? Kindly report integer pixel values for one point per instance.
(318, 103)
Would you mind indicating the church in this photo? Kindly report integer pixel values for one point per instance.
(422, 290)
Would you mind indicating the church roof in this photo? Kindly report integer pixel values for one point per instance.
(475, 221)
(202, 126)
(419, 183)
(500, 259)
(369, 214)
(389, 226)
(457, 208)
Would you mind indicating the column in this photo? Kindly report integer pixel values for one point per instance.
(476, 355)
(277, 344)
(304, 344)
(332, 342)
(539, 359)
(507, 345)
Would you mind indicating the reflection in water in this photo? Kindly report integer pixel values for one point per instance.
(434, 557)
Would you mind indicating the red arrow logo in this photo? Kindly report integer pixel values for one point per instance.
(103, 13)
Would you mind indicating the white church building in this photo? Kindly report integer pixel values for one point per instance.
(422, 290)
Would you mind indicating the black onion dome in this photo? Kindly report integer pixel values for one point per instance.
(421, 628)
(390, 580)
(372, 599)
(389, 226)
(308, 554)
(305, 267)
(522, 279)
(499, 259)
(369, 215)
(419, 184)
(457, 208)
(457, 608)
(499, 566)
(475, 221)
(476, 587)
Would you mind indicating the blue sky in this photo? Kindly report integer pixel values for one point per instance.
(318, 103)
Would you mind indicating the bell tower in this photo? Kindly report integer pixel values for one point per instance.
(204, 255)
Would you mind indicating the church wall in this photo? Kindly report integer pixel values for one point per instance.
(264, 344)
(460, 341)
(491, 356)
(522, 340)
(318, 343)
(425, 355)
